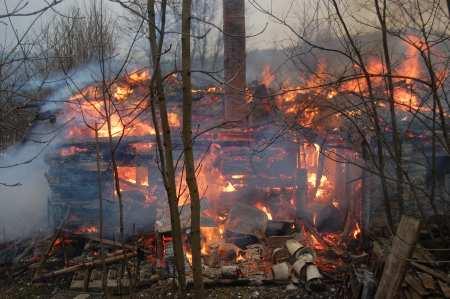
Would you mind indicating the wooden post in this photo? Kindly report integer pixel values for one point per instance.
(396, 262)
(236, 108)
(301, 195)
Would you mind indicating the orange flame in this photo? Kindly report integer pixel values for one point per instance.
(174, 119)
(356, 232)
(267, 76)
(260, 206)
(139, 76)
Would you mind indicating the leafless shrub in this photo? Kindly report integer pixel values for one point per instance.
(78, 37)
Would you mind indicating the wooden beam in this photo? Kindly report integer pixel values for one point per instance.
(396, 263)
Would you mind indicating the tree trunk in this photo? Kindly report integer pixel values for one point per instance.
(236, 108)
(381, 14)
(188, 150)
(100, 209)
(166, 156)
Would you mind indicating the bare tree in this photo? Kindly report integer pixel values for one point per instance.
(188, 149)
(164, 138)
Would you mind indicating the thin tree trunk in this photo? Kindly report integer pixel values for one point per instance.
(381, 14)
(100, 210)
(169, 169)
(373, 110)
(188, 150)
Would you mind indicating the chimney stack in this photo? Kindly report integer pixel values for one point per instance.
(235, 105)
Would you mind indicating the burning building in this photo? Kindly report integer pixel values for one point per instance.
(301, 180)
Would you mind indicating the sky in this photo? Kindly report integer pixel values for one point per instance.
(256, 21)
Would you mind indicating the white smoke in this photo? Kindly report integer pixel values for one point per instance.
(23, 208)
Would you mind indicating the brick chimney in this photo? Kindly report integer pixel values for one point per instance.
(235, 105)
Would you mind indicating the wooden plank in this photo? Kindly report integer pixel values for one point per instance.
(396, 263)
(445, 288)
(415, 284)
(436, 273)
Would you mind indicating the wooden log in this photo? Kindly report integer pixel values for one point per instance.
(109, 242)
(52, 244)
(396, 262)
(438, 274)
(301, 193)
(230, 272)
(95, 263)
(415, 284)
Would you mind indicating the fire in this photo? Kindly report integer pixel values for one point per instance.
(356, 232)
(315, 243)
(134, 175)
(406, 98)
(126, 118)
(86, 230)
(188, 256)
(72, 150)
(127, 173)
(260, 206)
(267, 76)
(410, 66)
(141, 147)
(309, 114)
(332, 94)
(210, 235)
(117, 127)
(240, 257)
(324, 185)
(122, 93)
(214, 89)
(139, 76)
(174, 120)
(314, 218)
(229, 188)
